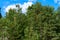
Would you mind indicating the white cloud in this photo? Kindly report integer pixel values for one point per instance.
(32, 0)
(10, 6)
(23, 6)
(57, 1)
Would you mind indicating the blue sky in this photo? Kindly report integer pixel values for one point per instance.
(6, 4)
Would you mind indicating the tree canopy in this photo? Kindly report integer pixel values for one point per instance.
(39, 23)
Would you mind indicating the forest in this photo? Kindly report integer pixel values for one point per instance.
(38, 23)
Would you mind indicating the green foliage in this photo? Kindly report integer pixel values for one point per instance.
(39, 23)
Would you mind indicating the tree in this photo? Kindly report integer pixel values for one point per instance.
(0, 13)
(39, 23)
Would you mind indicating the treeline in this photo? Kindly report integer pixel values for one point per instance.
(38, 23)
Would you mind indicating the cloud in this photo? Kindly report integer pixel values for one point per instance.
(57, 1)
(23, 6)
(10, 6)
(32, 0)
